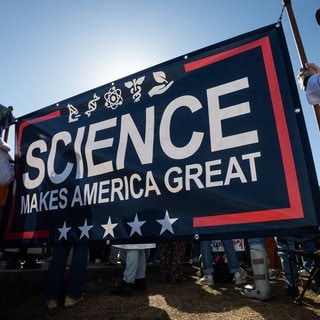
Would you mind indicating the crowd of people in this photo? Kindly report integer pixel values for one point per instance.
(171, 255)
(67, 271)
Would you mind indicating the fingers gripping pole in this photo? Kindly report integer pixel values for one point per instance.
(6, 134)
(300, 48)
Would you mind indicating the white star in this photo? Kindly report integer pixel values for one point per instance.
(85, 229)
(108, 228)
(136, 225)
(167, 223)
(63, 231)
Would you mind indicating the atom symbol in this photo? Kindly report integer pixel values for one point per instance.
(113, 98)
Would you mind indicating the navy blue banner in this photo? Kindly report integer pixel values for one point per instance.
(207, 145)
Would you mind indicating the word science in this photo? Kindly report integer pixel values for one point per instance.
(203, 175)
(192, 147)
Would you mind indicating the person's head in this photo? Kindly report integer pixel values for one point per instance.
(318, 16)
(6, 117)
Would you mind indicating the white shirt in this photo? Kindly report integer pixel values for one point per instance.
(313, 89)
(7, 168)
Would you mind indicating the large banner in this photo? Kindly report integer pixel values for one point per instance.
(211, 144)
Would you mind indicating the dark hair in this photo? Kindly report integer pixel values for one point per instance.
(318, 16)
(6, 117)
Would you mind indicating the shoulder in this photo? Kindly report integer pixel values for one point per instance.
(313, 89)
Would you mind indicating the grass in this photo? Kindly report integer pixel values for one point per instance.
(179, 301)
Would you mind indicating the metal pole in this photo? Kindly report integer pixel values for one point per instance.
(300, 48)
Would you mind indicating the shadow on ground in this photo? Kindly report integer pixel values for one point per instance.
(185, 300)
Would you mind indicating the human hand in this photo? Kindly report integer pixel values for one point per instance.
(3, 146)
(305, 73)
(313, 66)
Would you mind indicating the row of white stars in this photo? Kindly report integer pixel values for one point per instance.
(136, 224)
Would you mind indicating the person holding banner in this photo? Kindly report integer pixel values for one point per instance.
(309, 81)
(7, 174)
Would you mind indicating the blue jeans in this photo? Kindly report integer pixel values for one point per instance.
(136, 265)
(289, 264)
(77, 272)
(307, 244)
(207, 259)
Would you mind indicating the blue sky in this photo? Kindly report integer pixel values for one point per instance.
(54, 49)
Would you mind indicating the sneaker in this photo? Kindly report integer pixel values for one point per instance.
(122, 288)
(69, 301)
(51, 303)
(207, 279)
(240, 277)
(139, 285)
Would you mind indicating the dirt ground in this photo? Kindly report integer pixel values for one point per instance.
(182, 301)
